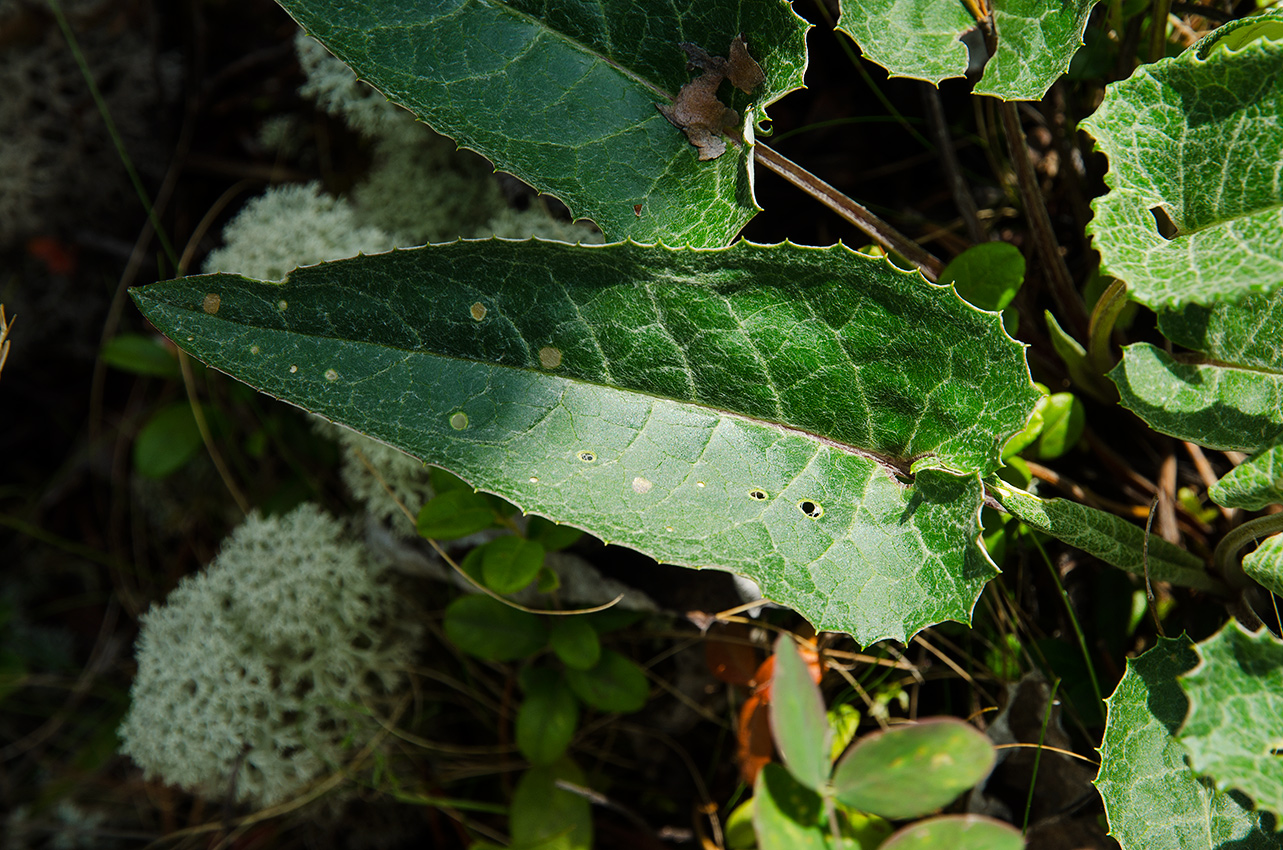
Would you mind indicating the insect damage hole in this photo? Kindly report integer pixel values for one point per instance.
(587, 456)
(331, 375)
(811, 508)
(1163, 219)
(757, 494)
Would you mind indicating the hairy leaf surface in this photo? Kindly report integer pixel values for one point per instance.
(921, 39)
(1265, 564)
(1235, 726)
(1112, 539)
(1153, 798)
(562, 94)
(1198, 137)
(753, 409)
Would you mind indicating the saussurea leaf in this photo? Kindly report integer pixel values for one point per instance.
(752, 409)
(1253, 484)
(563, 94)
(1198, 138)
(1112, 539)
(1152, 796)
(922, 39)
(1214, 405)
(1235, 724)
(1265, 564)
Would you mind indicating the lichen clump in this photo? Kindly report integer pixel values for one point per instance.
(267, 669)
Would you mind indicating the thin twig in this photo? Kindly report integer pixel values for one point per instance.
(1068, 302)
(198, 412)
(962, 197)
(884, 234)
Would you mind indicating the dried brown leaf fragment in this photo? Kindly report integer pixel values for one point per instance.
(697, 111)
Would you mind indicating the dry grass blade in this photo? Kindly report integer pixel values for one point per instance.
(5, 326)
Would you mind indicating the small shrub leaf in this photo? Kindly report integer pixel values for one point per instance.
(956, 832)
(547, 718)
(575, 642)
(454, 514)
(616, 684)
(510, 563)
(492, 631)
(909, 771)
(798, 722)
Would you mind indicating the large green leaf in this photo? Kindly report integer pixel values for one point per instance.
(1200, 137)
(1234, 731)
(1112, 539)
(749, 409)
(920, 39)
(562, 94)
(1214, 405)
(1152, 796)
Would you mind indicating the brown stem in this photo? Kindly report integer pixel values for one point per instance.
(884, 234)
(1068, 303)
(962, 197)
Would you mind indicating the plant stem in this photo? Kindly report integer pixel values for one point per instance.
(1042, 735)
(1068, 303)
(1226, 555)
(1159, 11)
(1101, 328)
(877, 229)
(1073, 619)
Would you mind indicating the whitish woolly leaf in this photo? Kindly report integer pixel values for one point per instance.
(1198, 137)
(1253, 484)
(752, 409)
(1218, 406)
(1234, 731)
(562, 94)
(921, 39)
(1112, 539)
(1152, 796)
(1265, 564)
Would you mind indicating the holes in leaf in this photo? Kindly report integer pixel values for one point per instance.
(1166, 227)
(757, 494)
(587, 456)
(811, 508)
(459, 420)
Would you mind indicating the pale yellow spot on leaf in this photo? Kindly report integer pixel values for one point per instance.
(281, 305)
(293, 369)
(478, 311)
(641, 485)
(459, 421)
(331, 375)
(253, 349)
(211, 303)
(549, 357)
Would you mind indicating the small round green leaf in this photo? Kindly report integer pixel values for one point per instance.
(488, 629)
(142, 355)
(510, 563)
(168, 440)
(909, 771)
(547, 718)
(454, 514)
(956, 832)
(552, 535)
(988, 275)
(787, 815)
(546, 816)
(1063, 417)
(615, 684)
(576, 643)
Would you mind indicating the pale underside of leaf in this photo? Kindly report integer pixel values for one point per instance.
(1221, 407)
(1235, 725)
(1112, 539)
(1265, 564)
(1253, 484)
(622, 400)
(562, 94)
(921, 39)
(1201, 139)
(1152, 797)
